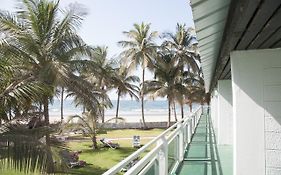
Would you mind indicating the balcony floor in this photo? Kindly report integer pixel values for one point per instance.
(203, 156)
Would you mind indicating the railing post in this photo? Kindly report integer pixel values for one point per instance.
(196, 119)
(186, 133)
(194, 123)
(163, 156)
(181, 142)
(189, 130)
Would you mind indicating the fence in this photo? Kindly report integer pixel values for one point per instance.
(167, 150)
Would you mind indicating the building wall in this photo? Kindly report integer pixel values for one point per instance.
(225, 118)
(272, 109)
(256, 85)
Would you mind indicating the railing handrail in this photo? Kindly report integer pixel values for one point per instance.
(118, 167)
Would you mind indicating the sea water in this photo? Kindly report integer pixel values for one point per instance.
(131, 107)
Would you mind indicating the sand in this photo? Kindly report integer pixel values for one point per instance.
(131, 117)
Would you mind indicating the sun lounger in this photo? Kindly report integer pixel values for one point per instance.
(108, 143)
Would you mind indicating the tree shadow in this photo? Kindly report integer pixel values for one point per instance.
(87, 170)
(202, 156)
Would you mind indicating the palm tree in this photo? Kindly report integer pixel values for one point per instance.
(87, 123)
(167, 83)
(43, 46)
(89, 98)
(44, 42)
(195, 88)
(184, 44)
(125, 85)
(196, 95)
(140, 49)
(100, 71)
(180, 99)
(17, 89)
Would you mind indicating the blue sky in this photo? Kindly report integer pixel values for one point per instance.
(107, 19)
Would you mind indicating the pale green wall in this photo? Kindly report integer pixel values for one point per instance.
(256, 85)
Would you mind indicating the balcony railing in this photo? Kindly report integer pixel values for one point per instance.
(167, 150)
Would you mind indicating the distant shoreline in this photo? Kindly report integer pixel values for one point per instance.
(130, 117)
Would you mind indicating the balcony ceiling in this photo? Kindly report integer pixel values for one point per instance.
(226, 25)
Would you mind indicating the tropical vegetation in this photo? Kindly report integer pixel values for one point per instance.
(43, 56)
(140, 49)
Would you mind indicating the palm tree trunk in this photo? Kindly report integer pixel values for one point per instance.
(94, 140)
(46, 110)
(61, 104)
(117, 106)
(94, 136)
(50, 160)
(182, 111)
(169, 114)
(175, 112)
(190, 106)
(102, 109)
(142, 100)
(102, 113)
(50, 166)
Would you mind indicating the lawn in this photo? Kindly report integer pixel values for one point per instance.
(104, 158)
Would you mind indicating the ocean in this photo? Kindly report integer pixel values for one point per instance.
(126, 106)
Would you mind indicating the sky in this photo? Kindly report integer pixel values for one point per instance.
(107, 19)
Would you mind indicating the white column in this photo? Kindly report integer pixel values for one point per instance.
(163, 157)
(225, 118)
(181, 143)
(214, 110)
(256, 85)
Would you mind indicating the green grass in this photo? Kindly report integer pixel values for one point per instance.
(99, 161)
(14, 172)
(104, 158)
(131, 132)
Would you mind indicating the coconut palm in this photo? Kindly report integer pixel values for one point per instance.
(140, 49)
(125, 85)
(196, 95)
(90, 97)
(183, 42)
(44, 42)
(167, 83)
(180, 99)
(101, 72)
(87, 123)
(195, 88)
(17, 90)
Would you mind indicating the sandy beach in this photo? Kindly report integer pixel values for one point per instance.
(130, 117)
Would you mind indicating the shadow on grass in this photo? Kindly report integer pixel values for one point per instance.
(92, 169)
(123, 150)
(87, 170)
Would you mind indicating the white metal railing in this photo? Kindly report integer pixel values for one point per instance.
(168, 150)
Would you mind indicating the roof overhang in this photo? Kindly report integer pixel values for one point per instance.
(210, 17)
(226, 25)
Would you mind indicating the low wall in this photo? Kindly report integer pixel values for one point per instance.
(136, 125)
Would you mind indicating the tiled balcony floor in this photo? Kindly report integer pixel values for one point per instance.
(203, 156)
